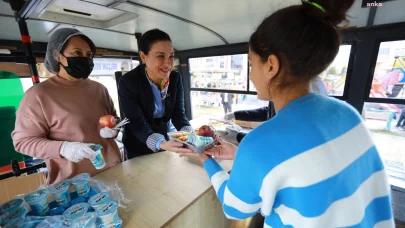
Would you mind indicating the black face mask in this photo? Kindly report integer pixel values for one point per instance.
(78, 67)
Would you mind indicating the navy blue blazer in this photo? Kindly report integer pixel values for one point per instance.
(137, 101)
(259, 115)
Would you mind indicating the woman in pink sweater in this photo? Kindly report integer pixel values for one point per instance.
(58, 119)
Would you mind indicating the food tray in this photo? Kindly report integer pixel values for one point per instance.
(172, 135)
(223, 125)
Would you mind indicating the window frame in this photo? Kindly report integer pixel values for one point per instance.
(219, 90)
(349, 71)
(249, 92)
(373, 63)
(375, 100)
(237, 49)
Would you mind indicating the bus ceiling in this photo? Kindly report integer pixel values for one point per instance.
(192, 24)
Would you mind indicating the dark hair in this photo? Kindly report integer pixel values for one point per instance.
(303, 37)
(85, 38)
(151, 37)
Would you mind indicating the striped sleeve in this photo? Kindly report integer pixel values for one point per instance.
(238, 192)
(153, 139)
(187, 128)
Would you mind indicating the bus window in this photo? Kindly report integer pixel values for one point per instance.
(386, 120)
(227, 72)
(389, 75)
(386, 123)
(213, 104)
(223, 73)
(104, 73)
(109, 82)
(334, 77)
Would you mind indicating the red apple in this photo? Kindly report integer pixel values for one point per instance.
(206, 130)
(108, 121)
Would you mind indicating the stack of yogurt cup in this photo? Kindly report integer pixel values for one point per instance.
(12, 210)
(105, 210)
(38, 200)
(105, 215)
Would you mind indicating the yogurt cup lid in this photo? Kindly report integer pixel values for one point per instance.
(61, 186)
(19, 213)
(99, 198)
(87, 219)
(80, 178)
(109, 208)
(96, 147)
(76, 211)
(37, 195)
(11, 205)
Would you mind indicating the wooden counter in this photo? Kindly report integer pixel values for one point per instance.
(167, 191)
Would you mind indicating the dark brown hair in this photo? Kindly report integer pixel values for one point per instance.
(303, 37)
(87, 40)
(151, 37)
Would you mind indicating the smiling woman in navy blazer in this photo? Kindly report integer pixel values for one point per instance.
(152, 98)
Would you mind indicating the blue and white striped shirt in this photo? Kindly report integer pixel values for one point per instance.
(312, 165)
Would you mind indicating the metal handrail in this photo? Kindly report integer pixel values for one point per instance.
(17, 171)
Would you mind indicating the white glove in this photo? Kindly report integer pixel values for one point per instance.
(76, 151)
(108, 133)
(229, 116)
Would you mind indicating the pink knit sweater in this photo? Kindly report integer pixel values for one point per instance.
(59, 110)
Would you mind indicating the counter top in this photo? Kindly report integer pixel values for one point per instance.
(161, 187)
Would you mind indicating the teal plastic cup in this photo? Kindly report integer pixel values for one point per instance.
(81, 183)
(76, 211)
(11, 205)
(98, 160)
(61, 192)
(99, 199)
(38, 202)
(108, 214)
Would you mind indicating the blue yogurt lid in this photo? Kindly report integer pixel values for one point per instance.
(18, 214)
(99, 198)
(76, 211)
(109, 208)
(61, 186)
(11, 205)
(96, 147)
(35, 196)
(80, 178)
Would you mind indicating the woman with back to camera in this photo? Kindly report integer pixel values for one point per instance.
(295, 169)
